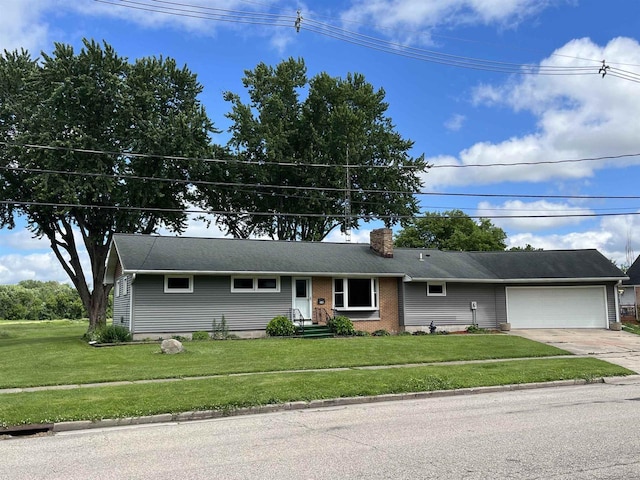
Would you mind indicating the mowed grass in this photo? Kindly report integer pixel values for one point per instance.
(52, 353)
(230, 392)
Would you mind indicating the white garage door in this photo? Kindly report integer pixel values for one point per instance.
(557, 307)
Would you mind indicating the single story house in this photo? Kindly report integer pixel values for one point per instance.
(630, 293)
(176, 285)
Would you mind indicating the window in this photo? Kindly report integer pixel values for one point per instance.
(123, 286)
(255, 284)
(178, 284)
(436, 289)
(116, 292)
(355, 293)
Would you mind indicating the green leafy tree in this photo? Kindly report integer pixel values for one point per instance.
(526, 248)
(452, 230)
(341, 122)
(60, 118)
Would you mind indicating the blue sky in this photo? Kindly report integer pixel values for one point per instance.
(455, 115)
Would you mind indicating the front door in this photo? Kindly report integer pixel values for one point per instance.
(302, 298)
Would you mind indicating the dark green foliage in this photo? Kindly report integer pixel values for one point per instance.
(475, 329)
(420, 332)
(280, 326)
(404, 333)
(200, 336)
(219, 331)
(362, 333)
(381, 333)
(94, 99)
(111, 334)
(35, 300)
(452, 230)
(341, 121)
(341, 325)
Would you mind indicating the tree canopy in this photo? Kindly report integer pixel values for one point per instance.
(452, 230)
(337, 140)
(34, 300)
(67, 126)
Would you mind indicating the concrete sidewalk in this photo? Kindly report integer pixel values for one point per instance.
(618, 347)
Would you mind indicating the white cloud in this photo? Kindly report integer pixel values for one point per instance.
(579, 116)
(36, 266)
(540, 207)
(21, 27)
(23, 239)
(399, 15)
(455, 123)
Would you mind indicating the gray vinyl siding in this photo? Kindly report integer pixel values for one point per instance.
(159, 312)
(401, 286)
(455, 307)
(122, 305)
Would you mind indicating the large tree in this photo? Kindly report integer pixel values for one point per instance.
(452, 230)
(70, 124)
(340, 148)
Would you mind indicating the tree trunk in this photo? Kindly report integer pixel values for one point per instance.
(98, 302)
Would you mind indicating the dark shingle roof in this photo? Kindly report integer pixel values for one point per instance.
(142, 253)
(633, 273)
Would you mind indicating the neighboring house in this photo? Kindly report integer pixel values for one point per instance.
(176, 285)
(630, 293)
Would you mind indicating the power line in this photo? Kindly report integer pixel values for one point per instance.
(337, 216)
(255, 186)
(307, 164)
(236, 16)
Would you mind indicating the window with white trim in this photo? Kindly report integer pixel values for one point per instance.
(116, 289)
(123, 286)
(261, 284)
(178, 284)
(355, 293)
(436, 289)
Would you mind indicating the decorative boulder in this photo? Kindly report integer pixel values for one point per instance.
(171, 346)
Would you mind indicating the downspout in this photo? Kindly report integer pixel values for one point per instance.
(617, 301)
(133, 279)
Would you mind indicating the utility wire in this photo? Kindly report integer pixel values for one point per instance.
(208, 13)
(339, 216)
(306, 164)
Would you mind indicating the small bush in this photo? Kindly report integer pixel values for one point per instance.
(474, 329)
(180, 338)
(404, 333)
(280, 326)
(362, 333)
(201, 335)
(381, 333)
(220, 331)
(111, 334)
(342, 326)
(420, 332)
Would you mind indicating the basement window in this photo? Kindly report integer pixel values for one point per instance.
(178, 284)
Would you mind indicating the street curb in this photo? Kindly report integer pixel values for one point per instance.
(312, 404)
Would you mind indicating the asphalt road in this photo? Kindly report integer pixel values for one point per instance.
(579, 432)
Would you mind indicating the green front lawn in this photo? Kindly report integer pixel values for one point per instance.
(228, 393)
(52, 353)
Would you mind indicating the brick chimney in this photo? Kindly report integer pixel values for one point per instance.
(381, 241)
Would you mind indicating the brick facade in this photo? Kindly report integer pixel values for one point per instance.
(387, 300)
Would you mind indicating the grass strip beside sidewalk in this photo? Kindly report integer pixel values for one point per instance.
(228, 393)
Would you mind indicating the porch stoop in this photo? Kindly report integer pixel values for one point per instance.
(314, 331)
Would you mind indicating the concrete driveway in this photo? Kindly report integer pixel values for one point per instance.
(621, 348)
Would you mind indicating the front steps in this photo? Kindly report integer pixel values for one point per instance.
(314, 331)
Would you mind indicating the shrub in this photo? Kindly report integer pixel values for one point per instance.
(342, 326)
(180, 338)
(420, 332)
(474, 329)
(280, 326)
(111, 334)
(220, 331)
(200, 335)
(381, 333)
(362, 333)
(404, 333)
